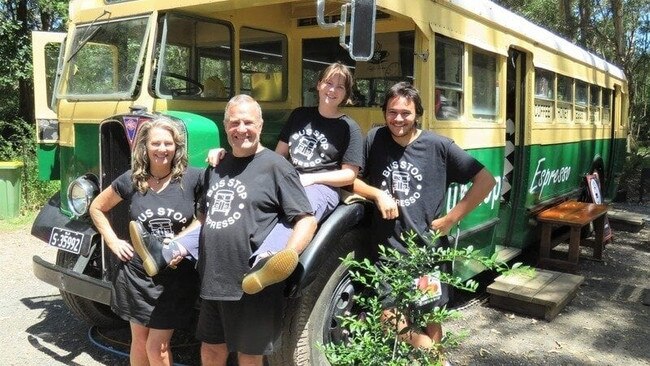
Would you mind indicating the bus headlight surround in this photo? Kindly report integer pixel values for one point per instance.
(81, 193)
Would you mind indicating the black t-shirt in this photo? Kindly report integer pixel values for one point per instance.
(417, 176)
(319, 144)
(244, 199)
(165, 213)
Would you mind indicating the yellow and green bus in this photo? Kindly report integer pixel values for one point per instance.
(539, 112)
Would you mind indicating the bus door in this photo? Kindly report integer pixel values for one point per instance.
(46, 48)
(617, 147)
(512, 191)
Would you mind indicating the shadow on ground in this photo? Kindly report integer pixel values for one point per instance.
(63, 337)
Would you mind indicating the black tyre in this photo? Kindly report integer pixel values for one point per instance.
(311, 319)
(89, 311)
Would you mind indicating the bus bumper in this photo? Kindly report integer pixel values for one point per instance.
(73, 282)
(65, 279)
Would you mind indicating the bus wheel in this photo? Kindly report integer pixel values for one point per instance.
(89, 311)
(312, 319)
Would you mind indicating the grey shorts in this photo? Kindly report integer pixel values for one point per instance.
(251, 325)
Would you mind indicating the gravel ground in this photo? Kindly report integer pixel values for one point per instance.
(36, 327)
(606, 324)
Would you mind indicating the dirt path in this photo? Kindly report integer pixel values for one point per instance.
(606, 324)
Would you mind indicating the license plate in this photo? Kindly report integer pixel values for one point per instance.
(67, 240)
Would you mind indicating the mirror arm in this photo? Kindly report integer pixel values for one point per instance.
(344, 15)
(362, 34)
(320, 16)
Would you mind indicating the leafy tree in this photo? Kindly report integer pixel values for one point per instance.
(18, 18)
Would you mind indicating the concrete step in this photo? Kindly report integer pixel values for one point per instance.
(626, 221)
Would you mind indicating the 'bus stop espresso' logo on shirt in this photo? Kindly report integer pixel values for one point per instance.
(225, 203)
(403, 182)
(306, 152)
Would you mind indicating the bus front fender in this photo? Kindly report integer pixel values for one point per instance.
(51, 217)
(344, 218)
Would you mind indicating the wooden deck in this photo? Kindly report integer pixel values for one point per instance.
(543, 296)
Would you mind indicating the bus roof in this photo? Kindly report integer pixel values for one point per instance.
(483, 9)
(500, 16)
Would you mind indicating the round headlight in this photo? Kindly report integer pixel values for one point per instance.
(81, 193)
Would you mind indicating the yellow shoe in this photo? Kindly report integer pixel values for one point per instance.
(148, 247)
(270, 270)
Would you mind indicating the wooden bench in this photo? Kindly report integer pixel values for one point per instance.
(576, 215)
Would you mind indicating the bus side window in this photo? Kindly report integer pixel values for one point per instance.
(449, 78)
(392, 62)
(263, 59)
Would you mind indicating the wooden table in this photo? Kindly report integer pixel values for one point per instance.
(576, 215)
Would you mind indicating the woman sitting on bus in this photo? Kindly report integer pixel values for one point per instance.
(158, 184)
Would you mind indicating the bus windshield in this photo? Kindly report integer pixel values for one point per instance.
(106, 60)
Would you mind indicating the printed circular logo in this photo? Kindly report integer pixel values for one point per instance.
(161, 221)
(225, 203)
(403, 181)
(308, 147)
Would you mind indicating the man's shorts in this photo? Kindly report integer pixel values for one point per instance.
(251, 325)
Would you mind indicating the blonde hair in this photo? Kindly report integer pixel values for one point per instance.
(337, 68)
(140, 157)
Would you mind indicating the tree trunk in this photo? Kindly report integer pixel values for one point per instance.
(585, 38)
(619, 32)
(568, 28)
(25, 89)
(623, 58)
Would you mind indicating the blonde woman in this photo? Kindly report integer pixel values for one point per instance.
(162, 193)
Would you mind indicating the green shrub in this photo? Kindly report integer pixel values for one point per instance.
(17, 143)
(631, 175)
(375, 342)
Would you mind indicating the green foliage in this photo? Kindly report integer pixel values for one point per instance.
(35, 192)
(630, 181)
(18, 18)
(22, 147)
(373, 339)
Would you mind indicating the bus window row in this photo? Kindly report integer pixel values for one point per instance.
(451, 81)
(567, 100)
(195, 61)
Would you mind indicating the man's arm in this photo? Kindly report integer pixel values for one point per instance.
(482, 184)
(282, 148)
(304, 228)
(385, 203)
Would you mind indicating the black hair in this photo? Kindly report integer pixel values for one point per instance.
(408, 91)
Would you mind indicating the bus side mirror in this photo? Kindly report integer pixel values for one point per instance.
(362, 30)
(361, 44)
